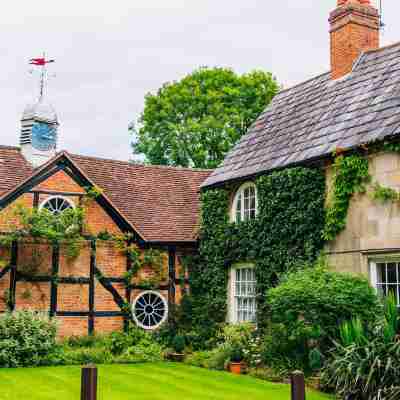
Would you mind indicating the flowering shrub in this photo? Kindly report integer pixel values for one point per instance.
(26, 339)
(245, 338)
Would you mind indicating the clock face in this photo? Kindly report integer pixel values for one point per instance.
(43, 136)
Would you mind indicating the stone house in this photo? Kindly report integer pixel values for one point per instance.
(350, 107)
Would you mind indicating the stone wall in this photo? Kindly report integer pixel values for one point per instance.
(372, 228)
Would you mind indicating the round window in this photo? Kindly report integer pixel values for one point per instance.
(149, 310)
(56, 205)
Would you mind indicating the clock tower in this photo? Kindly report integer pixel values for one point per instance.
(38, 138)
(39, 123)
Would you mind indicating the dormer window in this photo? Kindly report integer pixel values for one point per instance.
(56, 205)
(245, 203)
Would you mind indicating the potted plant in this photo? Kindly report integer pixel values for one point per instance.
(178, 345)
(236, 360)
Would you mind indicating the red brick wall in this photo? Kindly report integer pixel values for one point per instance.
(4, 288)
(74, 297)
(72, 326)
(354, 29)
(32, 296)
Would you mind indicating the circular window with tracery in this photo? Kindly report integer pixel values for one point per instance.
(57, 204)
(149, 310)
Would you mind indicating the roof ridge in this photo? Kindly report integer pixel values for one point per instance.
(303, 82)
(131, 164)
(389, 46)
(2, 146)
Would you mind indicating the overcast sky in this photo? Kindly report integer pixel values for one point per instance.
(111, 53)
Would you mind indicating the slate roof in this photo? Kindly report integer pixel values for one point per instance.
(311, 120)
(162, 203)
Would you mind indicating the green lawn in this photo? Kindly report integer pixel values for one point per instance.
(162, 381)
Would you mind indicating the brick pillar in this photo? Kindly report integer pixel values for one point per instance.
(354, 28)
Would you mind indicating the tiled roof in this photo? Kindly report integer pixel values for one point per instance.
(311, 120)
(161, 202)
(13, 168)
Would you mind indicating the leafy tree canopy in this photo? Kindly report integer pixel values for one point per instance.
(196, 121)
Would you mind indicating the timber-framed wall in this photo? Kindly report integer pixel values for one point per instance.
(85, 294)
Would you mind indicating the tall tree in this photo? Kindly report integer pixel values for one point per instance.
(196, 121)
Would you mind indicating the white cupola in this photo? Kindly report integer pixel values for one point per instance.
(38, 138)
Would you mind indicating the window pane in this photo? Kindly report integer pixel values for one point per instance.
(245, 301)
(381, 269)
(391, 273)
(388, 280)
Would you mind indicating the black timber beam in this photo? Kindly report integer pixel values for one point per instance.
(55, 266)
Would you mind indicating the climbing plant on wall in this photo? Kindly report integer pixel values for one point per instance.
(286, 233)
(350, 176)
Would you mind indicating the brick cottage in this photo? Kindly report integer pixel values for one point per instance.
(158, 206)
(345, 109)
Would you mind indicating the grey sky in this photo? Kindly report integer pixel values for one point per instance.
(111, 53)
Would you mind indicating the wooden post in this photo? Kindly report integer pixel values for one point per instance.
(89, 383)
(298, 385)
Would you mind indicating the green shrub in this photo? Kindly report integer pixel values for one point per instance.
(268, 374)
(88, 355)
(118, 342)
(307, 309)
(135, 345)
(244, 338)
(179, 344)
(217, 358)
(147, 350)
(236, 354)
(366, 372)
(365, 365)
(239, 342)
(26, 339)
(87, 341)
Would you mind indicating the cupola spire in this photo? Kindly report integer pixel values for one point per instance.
(39, 122)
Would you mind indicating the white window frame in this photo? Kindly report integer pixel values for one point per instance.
(66, 199)
(240, 193)
(164, 317)
(373, 270)
(232, 303)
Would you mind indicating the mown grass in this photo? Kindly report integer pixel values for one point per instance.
(160, 381)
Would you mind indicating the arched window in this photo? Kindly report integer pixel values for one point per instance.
(149, 310)
(245, 203)
(57, 204)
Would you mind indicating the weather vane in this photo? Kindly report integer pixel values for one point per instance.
(42, 63)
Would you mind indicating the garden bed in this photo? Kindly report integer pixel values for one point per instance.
(158, 381)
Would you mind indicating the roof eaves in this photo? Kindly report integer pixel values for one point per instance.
(7, 197)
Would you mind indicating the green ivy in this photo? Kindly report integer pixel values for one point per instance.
(285, 235)
(350, 176)
(384, 194)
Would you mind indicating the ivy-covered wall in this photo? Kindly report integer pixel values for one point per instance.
(286, 233)
(373, 216)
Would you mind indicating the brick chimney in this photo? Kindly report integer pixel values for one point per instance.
(354, 28)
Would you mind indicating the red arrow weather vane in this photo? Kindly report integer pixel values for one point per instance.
(41, 62)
